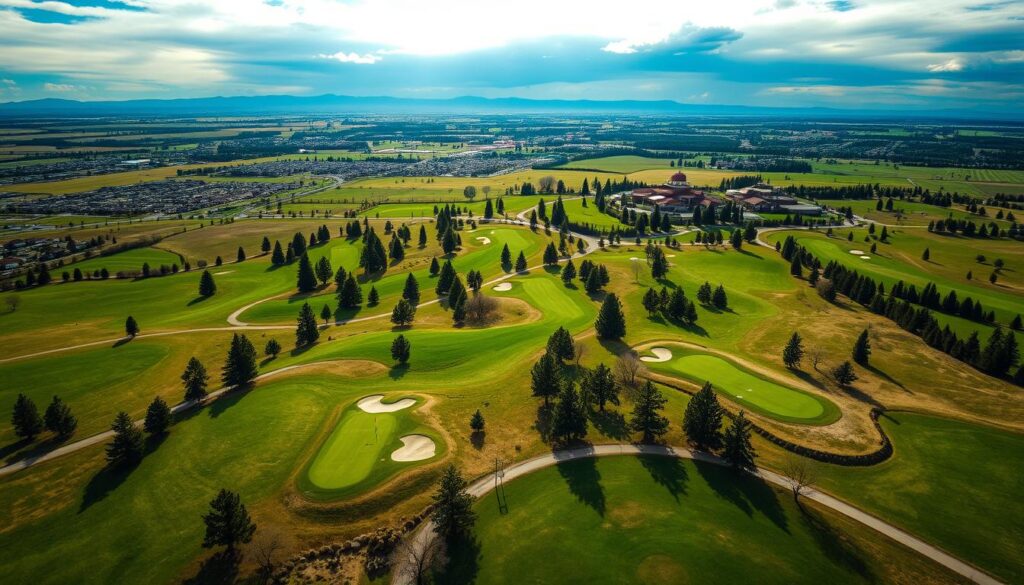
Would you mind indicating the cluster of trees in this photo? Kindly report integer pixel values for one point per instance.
(702, 423)
(970, 229)
(593, 276)
(57, 419)
(673, 306)
(843, 374)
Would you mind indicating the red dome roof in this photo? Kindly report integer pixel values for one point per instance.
(678, 178)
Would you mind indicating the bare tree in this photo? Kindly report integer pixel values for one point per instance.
(12, 302)
(817, 355)
(800, 474)
(627, 368)
(635, 265)
(264, 549)
(480, 308)
(546, 184)
(415, 563)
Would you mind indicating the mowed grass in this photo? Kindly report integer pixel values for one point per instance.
(621, 164)
(909, 212)
(660, 520)
(954, 484)
(747, 389)
(131, 260)
(588, 215)
(357, 454)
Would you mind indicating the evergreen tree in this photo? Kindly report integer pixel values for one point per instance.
(521, 263)
(351, 295)
(131, 327)
(676, 308)
(298, 245)
(325, 314)
(277, 257)
(449, 241)
(127, 446)
(241, 255)
(411, 292)
(704, 293)
(457, 300)
(445, 278)
(306, 330)
(228, 522)
(374, 257)
(844, 374)
(158, 417)
(26, 420)
(477, 422)
(659, 263)
(206, 285)
(323, 270)
(651, 302)
(452, 513)
(403, 313)
(265, 245)
(306, 281)
(506, 257)
(373, 297)
(434, 267)
(737, 449)
(593, 283)
(400, 349)
(194, 379)
(240, 367)
(647, 417)
(59, 420)
(719, 299)
(272, 348)
(569, 422)
(550, 255)
(862, 349)
(794, 351)
(561, 344)
(702, 420)
(610, 323)
(598, 386)
(546, 377)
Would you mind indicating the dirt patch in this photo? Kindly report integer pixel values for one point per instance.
(661, 569)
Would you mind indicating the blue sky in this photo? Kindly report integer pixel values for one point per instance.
(835, 53)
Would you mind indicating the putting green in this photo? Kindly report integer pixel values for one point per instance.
(357, 453)
(747, 389)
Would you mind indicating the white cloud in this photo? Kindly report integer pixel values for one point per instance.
(343, 57)
(61, 87)
(951, 65)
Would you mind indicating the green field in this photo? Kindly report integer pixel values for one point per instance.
(128, 260)
(746, 389)
(661, 520)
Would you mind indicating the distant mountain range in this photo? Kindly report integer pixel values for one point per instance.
(342, 104)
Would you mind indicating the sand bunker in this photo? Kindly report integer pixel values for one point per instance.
(856, 252)
(372, 404)
(503, 287)
(634, 258)
(415, 448)
(660, 355)
(670, 255)
(484, 240)
(223, 272)
(865, 257)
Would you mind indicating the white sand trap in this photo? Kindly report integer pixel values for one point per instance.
(634, 258)
(865, 257)
(504, 286)
(856, 252)
(223, 272)
(415, 448)
(670, 255)
(484, 239)
(660, 355)
(372, 404)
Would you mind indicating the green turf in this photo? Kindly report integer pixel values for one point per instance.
(954, 484)
(649, 520)
(131, 260)
(747, 389)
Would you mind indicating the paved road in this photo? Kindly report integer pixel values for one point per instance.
(484, 485)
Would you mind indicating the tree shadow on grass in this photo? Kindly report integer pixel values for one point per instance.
(464, 557)
(746, 492)
(835, 545)
(227, 400)
(221, 567)
(610, 423)
(543, 421)
(669, 472)
(861, 396)
(477, 439)
(25, 449)
(584, 482)
(398, 371)
(110, 477)
(887, 377)
(122, 341)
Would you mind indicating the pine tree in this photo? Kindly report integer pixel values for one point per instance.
(677, 305)
(240, 257)
(610, 323)
(506, 257)
(651, 302)
(194, 379)
(127, 446)
(702, 420)
(306, 330)
(457, 298)
(400, 349)
(228, 522)
(240, 367)
(599, 386)
(373, 297)
(550, 255)
(561, 344)
(477, 422)
(449, 241)
(306, 281)
(445, 278)
(647, 417)
(206, 285)
(131, 327)
(719, 299)
(569, 422)
(452, 513)
(411, 292)
(568, 272)
(862, 349)
(59, 420)
(265, 245)
(794, 351)
(593, 283)
(272, 348)
(403, 313)
(323, 270)
(158, 417)
(546, 377)
(434, 267)
(277, 257)
(350, 296)
(737, 449)
(704, 293)
(521, 263)
(844, 374)
(26, 420)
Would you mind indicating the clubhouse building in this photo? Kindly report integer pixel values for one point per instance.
(673, 196)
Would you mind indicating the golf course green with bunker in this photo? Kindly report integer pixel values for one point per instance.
(745, 388)
(650, 519)
(372, 441)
